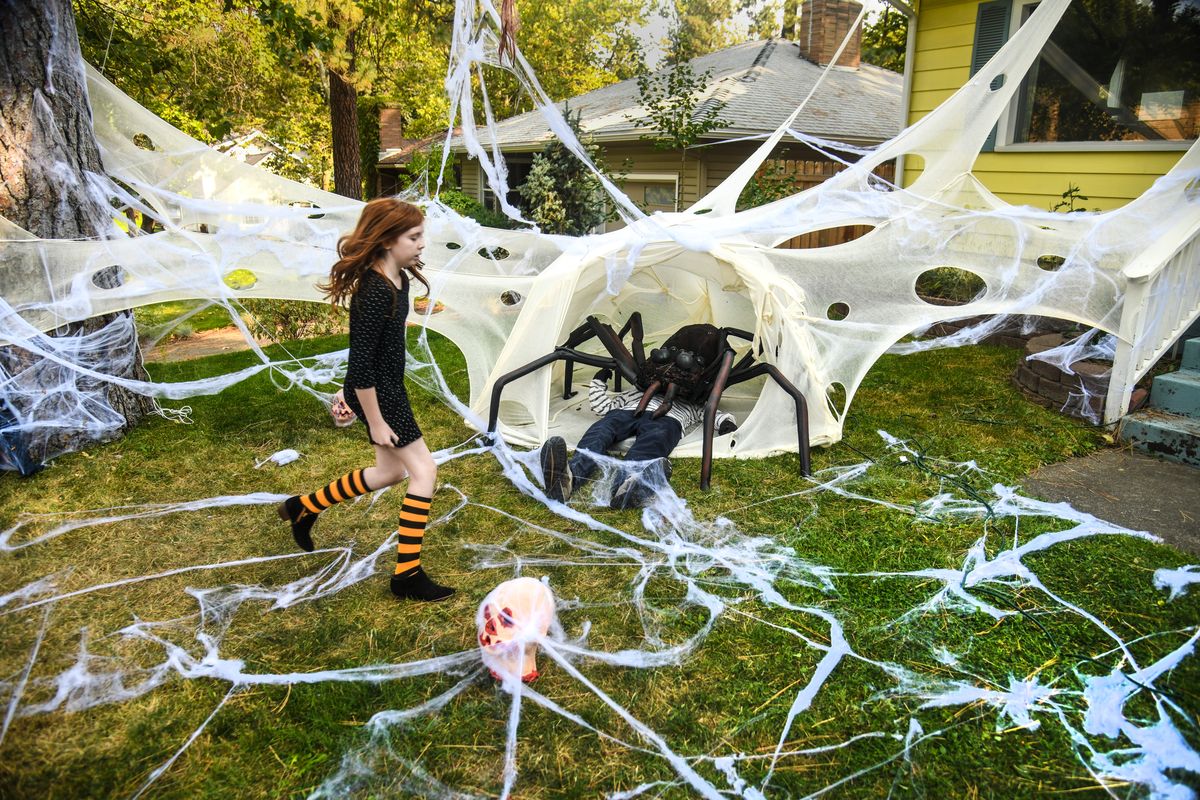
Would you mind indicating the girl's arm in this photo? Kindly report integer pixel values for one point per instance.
(368, 310)
(367, 313)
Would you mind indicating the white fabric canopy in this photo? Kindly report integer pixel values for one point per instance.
(231, 225)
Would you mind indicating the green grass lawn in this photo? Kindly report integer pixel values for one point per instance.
(730, 696)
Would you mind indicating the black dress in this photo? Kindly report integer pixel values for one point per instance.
(378, 312)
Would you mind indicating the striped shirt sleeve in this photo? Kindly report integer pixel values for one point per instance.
(689, 415)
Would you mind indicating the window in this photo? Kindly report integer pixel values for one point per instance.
(518, 170)
(660, 194)
(649, 191)
(1114, 71)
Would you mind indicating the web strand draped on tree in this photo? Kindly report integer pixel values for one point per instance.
(232, 232)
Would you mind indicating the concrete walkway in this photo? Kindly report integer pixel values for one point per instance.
(1129, 488)
(199, 345)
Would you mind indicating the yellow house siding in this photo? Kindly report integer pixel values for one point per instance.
(942, 57)
(945, 78)
(942, 63)
(922, 103)
(690, 189)
(942, 38)
(1153, 163)
(1108, 179)
(471, 177)
(947, 14)
(720, 162)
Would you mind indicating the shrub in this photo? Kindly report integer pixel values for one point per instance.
(957, 286)
(470, 207)
(287, 320)
(772, 182)
(561, 194)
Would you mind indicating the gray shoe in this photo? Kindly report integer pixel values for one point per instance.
(638, 489)
(556, 472)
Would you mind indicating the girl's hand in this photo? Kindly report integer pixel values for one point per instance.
(341, 412)
(383, 435)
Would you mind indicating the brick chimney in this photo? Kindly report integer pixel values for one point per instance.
(823, 25)
(391, 128)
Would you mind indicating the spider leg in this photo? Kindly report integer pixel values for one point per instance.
(568, 379)
(710, 416)
(668, 399)
(592, 327)
(801, 407)
(646, 396)
(570, 355)
(576, 338)
(635, 324)
(747, 360)
(738, 332)
(580, 334)
(626, 366)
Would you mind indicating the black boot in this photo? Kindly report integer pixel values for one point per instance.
(556, 471)
(638, 489)
(416, 585)
(301, 519)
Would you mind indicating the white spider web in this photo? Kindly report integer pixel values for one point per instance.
(222, 220)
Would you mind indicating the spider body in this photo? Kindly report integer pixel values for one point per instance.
(696, 365)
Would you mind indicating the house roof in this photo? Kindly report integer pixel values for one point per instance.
(761, 83)
(394, 156)
(254, 146)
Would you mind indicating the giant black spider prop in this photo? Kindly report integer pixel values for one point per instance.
(694, 365)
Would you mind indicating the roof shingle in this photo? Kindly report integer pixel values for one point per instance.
(761, 83)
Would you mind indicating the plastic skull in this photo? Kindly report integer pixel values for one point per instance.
(511, 620)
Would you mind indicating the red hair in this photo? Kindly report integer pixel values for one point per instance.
(383, 221)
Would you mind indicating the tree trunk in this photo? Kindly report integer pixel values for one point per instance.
(343, 116)
(47, 150)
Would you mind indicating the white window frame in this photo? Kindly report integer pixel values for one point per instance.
(1007, 123)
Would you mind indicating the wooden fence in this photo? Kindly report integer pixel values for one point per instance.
(810, 173)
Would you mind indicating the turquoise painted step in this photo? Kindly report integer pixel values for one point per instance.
(1167, 435)
(1177, 393)
(1191, 355)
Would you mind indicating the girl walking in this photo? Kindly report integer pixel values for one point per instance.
(372, 275)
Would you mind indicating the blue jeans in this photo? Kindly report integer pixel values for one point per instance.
(654, 438)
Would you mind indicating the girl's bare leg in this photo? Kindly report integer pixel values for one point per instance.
(421, 468)
(389, 468)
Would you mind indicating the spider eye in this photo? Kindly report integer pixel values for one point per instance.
(685, 360)
(660, 356)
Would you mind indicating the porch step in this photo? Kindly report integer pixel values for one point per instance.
(1178, 392)
(1191, 355)
(1171, 436)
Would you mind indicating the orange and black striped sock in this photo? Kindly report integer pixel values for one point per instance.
(352, 484)
(414, 515)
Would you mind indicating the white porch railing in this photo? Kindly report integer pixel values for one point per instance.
(1162, 300)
